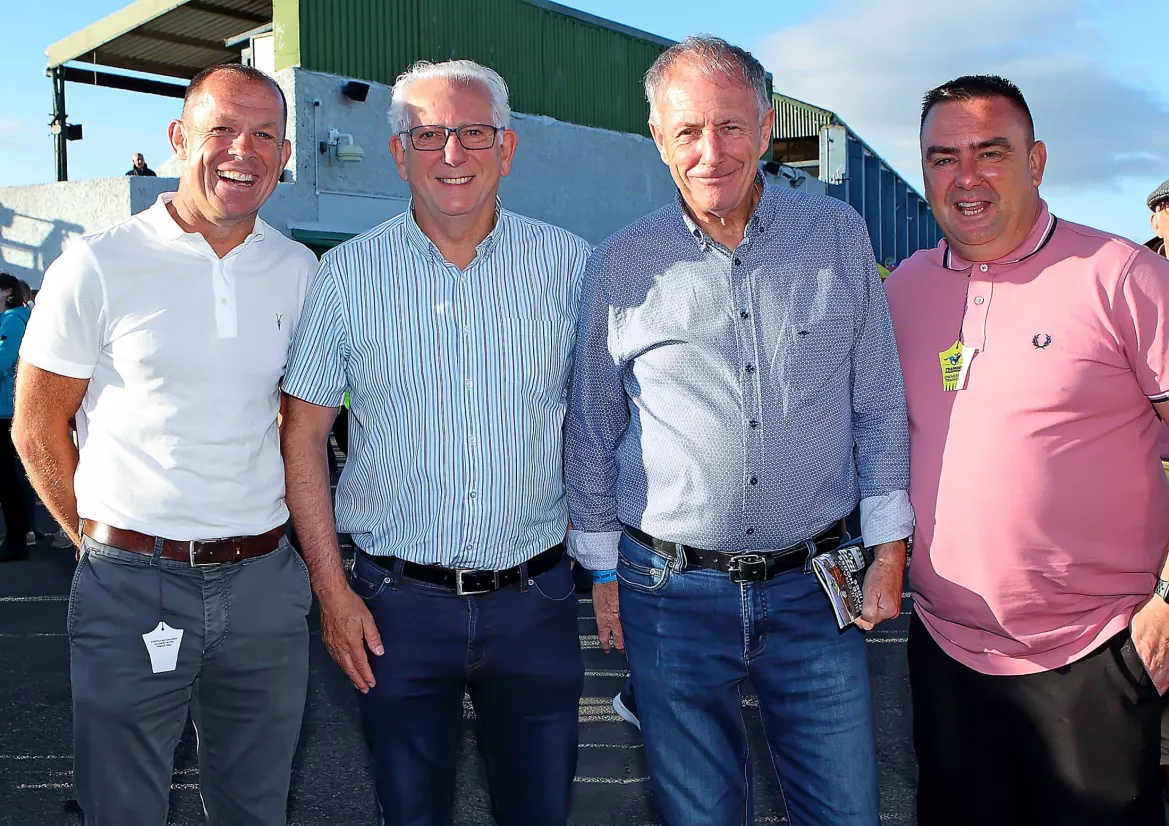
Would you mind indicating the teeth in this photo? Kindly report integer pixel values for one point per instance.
(231, 175)
(463, 180)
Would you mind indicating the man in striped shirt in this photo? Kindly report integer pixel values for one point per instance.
(452, 326)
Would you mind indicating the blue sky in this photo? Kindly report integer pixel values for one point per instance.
(1094, 73)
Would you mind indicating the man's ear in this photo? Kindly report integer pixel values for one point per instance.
(178, 139)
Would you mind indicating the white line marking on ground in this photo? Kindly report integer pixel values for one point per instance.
(617, 672)
(886, 639)
(611, 745)
(26, 634)
(36, 756)
(51, 598)
(622, 781)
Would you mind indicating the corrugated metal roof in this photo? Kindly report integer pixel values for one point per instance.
(176, 38)
(796, 119)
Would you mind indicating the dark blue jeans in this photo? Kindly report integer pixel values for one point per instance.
(515, 651)
(692, 638)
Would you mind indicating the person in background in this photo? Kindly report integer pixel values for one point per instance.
(139, 167)
(1159, 203)
(1036, 365)
(13, 484)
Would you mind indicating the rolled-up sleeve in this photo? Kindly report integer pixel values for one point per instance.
(597, 417)
(880, 424)
(317, 357)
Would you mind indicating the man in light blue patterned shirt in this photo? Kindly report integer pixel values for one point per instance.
(452, 326)
(736, 393)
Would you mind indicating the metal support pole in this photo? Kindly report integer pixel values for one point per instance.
(60, 133)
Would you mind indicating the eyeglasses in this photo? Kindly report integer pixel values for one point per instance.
(431, 138)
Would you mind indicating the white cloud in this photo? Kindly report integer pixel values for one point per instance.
(16, 134)
(870, 61)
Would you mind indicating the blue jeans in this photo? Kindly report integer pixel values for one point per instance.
(516, 651)
(692, 638)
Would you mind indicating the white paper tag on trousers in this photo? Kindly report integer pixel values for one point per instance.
(163, 645)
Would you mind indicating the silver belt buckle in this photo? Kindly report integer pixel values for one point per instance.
(743, 565)
(463, 592)
(191, 552)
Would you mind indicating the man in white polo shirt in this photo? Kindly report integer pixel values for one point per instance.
(166, 336)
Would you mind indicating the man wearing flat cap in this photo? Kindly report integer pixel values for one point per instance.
(1159, 203)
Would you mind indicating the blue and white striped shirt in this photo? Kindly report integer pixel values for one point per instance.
(736, 399)
(458, 388)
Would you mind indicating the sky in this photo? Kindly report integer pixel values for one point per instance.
(1094, 72)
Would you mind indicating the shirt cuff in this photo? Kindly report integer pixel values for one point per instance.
(886, 518)
(594, 551)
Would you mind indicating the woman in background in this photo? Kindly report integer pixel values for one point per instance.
(13, 488)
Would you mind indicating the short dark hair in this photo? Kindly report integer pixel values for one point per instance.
(19, 297)
(239, 72)
(977, 87)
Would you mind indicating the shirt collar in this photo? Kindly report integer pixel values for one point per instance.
(423, 244)
(1036, 240)
(159, 218)
(757, 224)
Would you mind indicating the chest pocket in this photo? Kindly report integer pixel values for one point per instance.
(534, 357)
(813, 354)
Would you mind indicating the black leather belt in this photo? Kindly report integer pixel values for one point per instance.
(469, 581)
(747, 566)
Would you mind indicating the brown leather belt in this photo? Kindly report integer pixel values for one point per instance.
(196, 552)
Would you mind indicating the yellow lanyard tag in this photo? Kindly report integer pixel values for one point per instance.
(955, 366)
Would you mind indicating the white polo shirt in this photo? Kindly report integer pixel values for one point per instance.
(184, 353)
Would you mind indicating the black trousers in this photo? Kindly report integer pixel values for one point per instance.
(14, 500)
(1077, 745)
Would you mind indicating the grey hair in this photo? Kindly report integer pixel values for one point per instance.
(457, 71)
(714, 58)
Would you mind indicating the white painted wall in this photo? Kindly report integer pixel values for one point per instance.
(590, 181)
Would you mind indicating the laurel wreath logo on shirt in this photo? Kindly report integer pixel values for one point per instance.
(1041, 345)
(279, 317)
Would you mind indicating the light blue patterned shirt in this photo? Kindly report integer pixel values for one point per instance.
(741, 399)
(458, 388)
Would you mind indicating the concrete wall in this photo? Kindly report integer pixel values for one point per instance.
(590, 181)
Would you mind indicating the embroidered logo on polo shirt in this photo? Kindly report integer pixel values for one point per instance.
(1041, 341)
(278, 319)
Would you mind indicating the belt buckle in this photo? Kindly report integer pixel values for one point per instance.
(750, 567)
(191, 552)
(463, 592)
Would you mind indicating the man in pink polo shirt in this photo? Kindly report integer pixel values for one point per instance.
(1036, 365)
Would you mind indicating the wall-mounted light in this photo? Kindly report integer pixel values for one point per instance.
(340, 145)
(355, 90)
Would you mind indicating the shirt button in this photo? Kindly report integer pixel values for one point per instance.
(471, 494)
(744, 314)
(750, 368)
(223, 301)
(754, 423)
(470, 383)
(979, 300)
(471, 440)
(984, 268)
(750, 531)
(753, 481)
(470, 546)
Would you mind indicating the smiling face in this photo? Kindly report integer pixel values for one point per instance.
(711, 134)
(452, 187)
(982, 172)
(232, 148)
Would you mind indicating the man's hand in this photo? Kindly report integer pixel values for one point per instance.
(347, 628)
(1150, 635)
(882, 588)
(607, 609)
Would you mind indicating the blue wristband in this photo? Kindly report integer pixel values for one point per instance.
(601, 577)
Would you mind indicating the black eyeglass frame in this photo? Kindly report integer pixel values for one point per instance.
(457, 131)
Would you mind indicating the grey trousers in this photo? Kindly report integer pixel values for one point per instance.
(242, 674)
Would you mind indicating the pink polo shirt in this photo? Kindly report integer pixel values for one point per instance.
(1042, 508)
